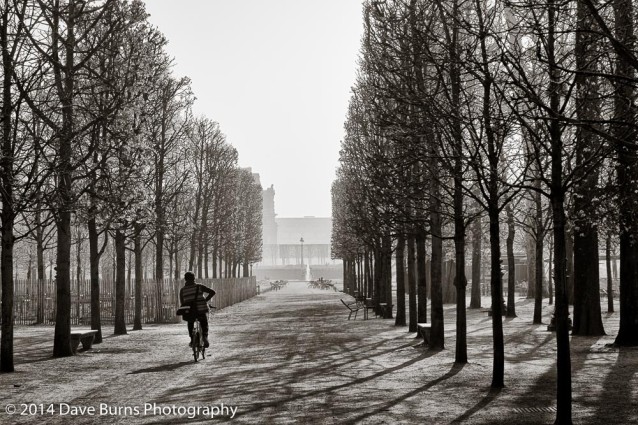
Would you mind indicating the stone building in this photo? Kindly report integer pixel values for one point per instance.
(295, 243)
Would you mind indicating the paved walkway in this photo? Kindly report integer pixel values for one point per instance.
(290, 356)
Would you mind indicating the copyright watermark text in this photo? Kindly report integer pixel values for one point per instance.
(105, 409)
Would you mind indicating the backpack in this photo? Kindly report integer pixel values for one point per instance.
(189, 311)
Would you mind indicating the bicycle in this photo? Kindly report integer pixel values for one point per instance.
(197, 338)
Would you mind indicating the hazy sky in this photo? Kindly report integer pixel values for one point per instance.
(276, 75)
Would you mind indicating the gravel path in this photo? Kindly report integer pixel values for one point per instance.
(291, 356)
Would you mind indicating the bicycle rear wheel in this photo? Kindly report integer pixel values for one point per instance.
(196, 345)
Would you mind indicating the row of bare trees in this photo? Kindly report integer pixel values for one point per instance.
(98, 134)
(515, 113)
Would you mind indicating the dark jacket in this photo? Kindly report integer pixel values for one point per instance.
(188, 292)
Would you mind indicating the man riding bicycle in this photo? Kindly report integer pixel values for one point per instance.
(192, 294)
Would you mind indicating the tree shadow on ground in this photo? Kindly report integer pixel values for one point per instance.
(456, 368)
(617, 388)
(294, 376)
(489, 397)
(162, 368)
(541, 395)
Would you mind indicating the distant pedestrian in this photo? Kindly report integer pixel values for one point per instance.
(192, 295)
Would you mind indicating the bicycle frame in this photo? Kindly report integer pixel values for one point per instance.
(197, 338)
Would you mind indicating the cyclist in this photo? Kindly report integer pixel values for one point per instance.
(192, 294)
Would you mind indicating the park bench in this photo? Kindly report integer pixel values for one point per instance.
(354, 307)
(424, 330)
(278, 284)
(85, 337)
(368, 304)
(321, 284)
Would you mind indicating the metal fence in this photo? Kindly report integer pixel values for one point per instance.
(35, 301)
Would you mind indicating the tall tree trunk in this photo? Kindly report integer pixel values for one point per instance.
(6, 341)
(137, 250)
(359, 274)
(200, 249)
(493, 201)
(39, 242)
(400, 269)
(569, 250)
(377, 276)
(610, 279)
(346, 289)
(421, 288)
(206, 256)
(62, 333)
(94, 264)
(460, 280)
(370, 274)
(6, 276)
(78, 270)
(120, 282)
(627, 171)
(587, 312)
(386, 244)
(477, 235)
(160, 215)
(8, 211)
(214, 265)
(496, 285)
(538, 256)
(129, 273)
(511, 267)
(550, 280)
(564, 387)
(437, 336)
(412, 289)
(159, 266)
(532, 264)
(178, 266)
(557, 199)
(64, 189)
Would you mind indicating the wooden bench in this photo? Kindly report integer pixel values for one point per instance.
(368, 304)
(85, 337)
(424, 330)
(354, 307)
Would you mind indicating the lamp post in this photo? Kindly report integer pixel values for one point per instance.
(301, 241)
